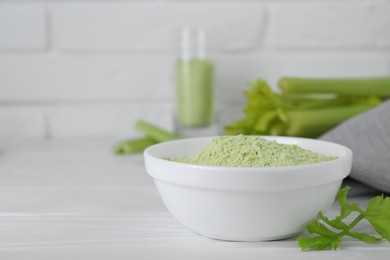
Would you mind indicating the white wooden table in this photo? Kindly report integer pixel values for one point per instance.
(74, 200)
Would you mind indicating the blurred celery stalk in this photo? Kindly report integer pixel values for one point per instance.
(340, 86)
(153, 135)
(154, 132)
(135, 145)
(301, 113)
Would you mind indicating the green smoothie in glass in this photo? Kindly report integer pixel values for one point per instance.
(194, 92)
(194, 83)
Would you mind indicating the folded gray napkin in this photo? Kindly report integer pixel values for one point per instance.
(368, 136)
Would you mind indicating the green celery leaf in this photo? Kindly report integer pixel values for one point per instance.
(318, 243)
(336, 222)
(263, 111)
(364, 237)
(320, 229)
(378, 214)
(346, 207)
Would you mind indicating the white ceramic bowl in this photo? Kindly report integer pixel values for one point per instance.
(246, 203)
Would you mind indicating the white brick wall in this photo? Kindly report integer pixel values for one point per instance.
(22, 27)
(106, 120)
(19, 122)
(331, 25)
(91, 68)
(151, 26)
(58, 77)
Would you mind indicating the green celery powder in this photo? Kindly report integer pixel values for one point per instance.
(252, 151)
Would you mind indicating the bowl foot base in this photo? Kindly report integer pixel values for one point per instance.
(249, 239)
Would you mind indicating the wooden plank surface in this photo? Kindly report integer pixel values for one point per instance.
(74, 200)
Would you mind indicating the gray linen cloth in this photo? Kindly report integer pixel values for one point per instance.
(368, 136)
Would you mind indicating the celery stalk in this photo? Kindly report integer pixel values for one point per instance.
(314, 122)
(135, 145)
(338, 86)
(154, 132)
(296, 114)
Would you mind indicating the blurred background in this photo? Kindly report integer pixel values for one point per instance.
(89, 68)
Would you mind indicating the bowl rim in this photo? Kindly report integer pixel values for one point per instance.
(348, 154)
(266, 178)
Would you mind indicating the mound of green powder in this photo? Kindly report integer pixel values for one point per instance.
(251, 151)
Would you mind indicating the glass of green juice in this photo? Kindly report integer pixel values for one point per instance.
(195, 113)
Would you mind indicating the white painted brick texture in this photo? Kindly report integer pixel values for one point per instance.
(22, 27)
(20, 123)
(92, 68)
(55, 77)
(330, 24)
(106, 120)
(151, 26)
